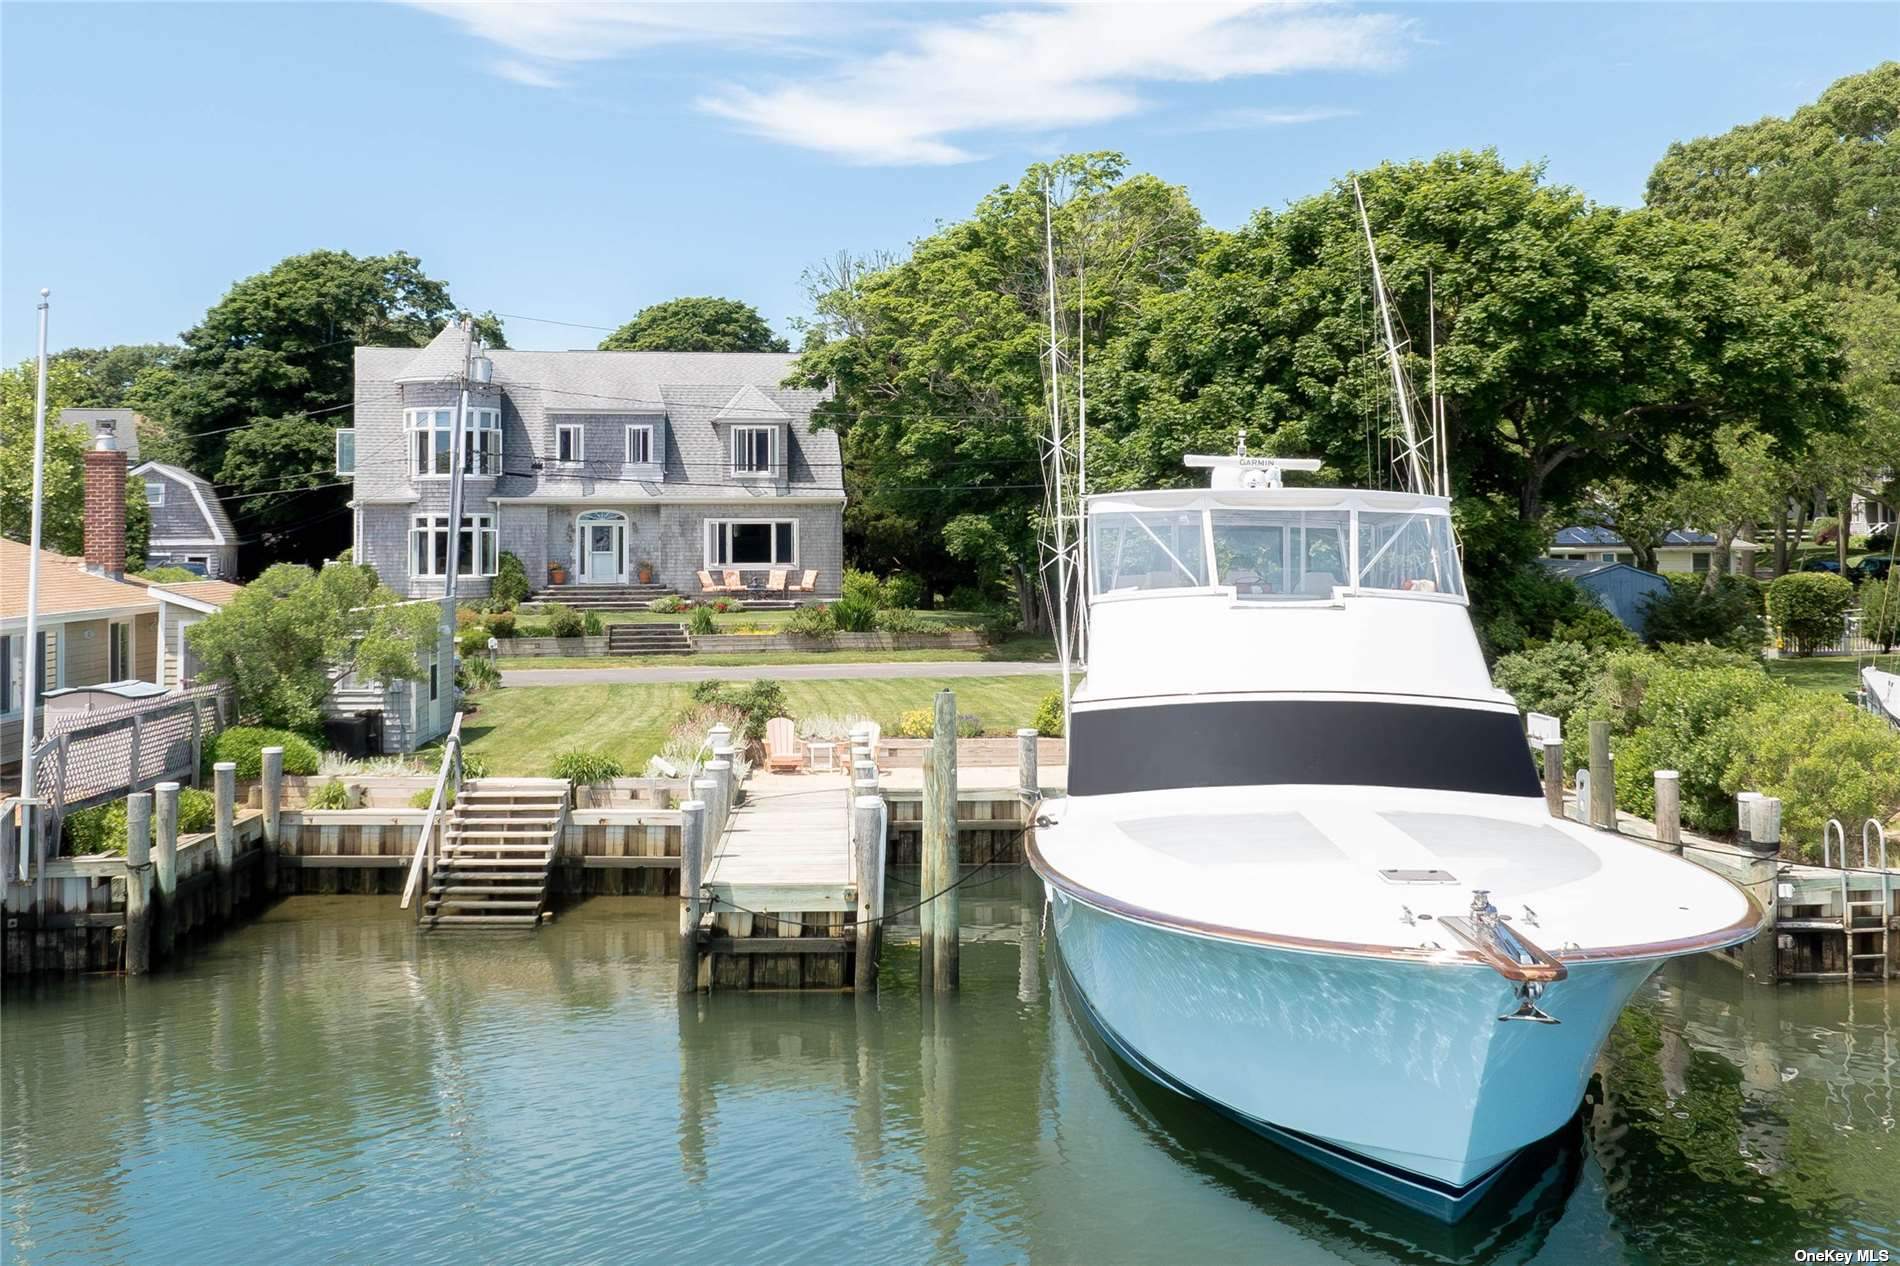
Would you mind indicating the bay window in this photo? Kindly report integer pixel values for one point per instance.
(432, 434)
(751, 542)
(477, 553)
(752, 449)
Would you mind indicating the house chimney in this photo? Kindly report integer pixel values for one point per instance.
(105, 508)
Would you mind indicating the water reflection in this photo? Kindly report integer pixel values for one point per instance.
(332, 1085)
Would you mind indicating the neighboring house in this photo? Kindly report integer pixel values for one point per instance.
(121, 424)
(189, 526)
(1619, 588)
(593, 461)
(407, 714)
(96, 627)
(1681, 550)
(185, 605)
(1866, 515)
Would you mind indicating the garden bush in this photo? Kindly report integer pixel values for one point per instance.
(1049, 716)
(900, 620)
(473, 643)
(564, 621)
(510, 587)
(968, 598)
(579, 765)
(702, 621)
(170, 575)
(502, 624)
(244, 745)
(330, 795)
(811, 621)
(757, 701)
(591, 625)
(477, 674)
(469, 616)
(422, 798)
(101, 829)
(1553, 678)
(1808, 607)
(1825, 529)
(1822, 759)
(863, 586)
(854, 614)
(1880, 611)
(1728, 615)
(1596, 628)
(917, 723)
(672, 604)
(903, 591)
(969, 725)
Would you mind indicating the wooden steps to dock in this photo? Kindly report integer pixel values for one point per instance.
(498, 850)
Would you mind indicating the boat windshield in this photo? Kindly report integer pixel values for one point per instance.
(1269, 554)
(1161, 549)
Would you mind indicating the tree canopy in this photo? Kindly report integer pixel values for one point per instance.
(259, 386)
(700, 323)
(63, 501)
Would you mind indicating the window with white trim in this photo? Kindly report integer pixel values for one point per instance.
(477, 554)
(11, 670)
(639, 445)
(346, 450)
(751, 542)
(569, 443)
(155, 492)
(752, 449)
(432, 433)
(119, 651)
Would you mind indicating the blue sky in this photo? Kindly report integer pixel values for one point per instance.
(579, 162)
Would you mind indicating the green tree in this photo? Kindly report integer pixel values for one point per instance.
(261, 383)
(63, 497)
(112, 373)
(701, 323)
(940, 367)
(292, 633)
(1808, 608)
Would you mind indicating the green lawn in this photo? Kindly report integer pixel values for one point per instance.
(520, 729)
(735, 621)
(1017, 650)
(1830, 674)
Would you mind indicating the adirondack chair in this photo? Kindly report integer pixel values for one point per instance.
(808, 585)
(874, 732)
(782, 751)
(707, 584)
(733, 583)
(775, 581)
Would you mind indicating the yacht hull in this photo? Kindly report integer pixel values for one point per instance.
(1395, 1072)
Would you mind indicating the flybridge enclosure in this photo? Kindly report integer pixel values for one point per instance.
(1272, 545)
(1243, 471)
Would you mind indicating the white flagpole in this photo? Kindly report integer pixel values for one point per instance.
(35, 671)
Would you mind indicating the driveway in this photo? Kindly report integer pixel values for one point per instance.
(805, 672)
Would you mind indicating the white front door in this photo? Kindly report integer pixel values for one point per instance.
(606, 548)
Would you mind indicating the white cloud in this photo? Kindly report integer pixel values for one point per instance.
(1247, 118)
(951, 83)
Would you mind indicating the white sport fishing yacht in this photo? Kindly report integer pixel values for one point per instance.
(1305, 872)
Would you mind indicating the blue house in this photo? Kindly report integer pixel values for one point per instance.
(1620, 588)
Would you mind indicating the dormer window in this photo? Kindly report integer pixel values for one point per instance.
(154, 496)
(754, 450)
(569, 444)
(639, 445)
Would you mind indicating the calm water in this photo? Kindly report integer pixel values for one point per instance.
(326, 1085)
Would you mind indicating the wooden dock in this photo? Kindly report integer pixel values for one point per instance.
(787, 847)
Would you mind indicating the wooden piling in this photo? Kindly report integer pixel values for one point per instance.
(138, 883)
(1554, 779)
(1759, 830)
(272, 790)
(940, 838)
(720, 771)
(867, 836)
(1669, 809)
(224, 794)
(1602, 781)
(692, 874)
(165, 870)
(1027, 780)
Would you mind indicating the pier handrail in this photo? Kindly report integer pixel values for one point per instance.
(1870, 831)
(1834, 832)
(425, 852)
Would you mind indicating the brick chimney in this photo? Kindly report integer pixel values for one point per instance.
(105, 508)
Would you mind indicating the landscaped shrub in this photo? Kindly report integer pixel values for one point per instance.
(757, 701)
(591, 625)
(722, 605)
(502, 625)
(474, 764)
(1596, 628)
(1825, 529)
(702, 621)
(1880, 611)
(672, 604)
(863, 586)
(1808, 607)
(1049, 715)
(854, 614)
(900, 620)
(580, 766)
(968, 598)
(1553, 678)
(330, 795)
(477, 674)
(472, 643)
(811, 621)
(244, 745)
(1523, 604)
(510, 585)
(969, 725)
(468, 616)
(169, 575)
(564, 621)
(917, 723)
(1000, 625)
(423, 797)
(904, 591)
(1822, 759)
(1727, 615)
(101, 829)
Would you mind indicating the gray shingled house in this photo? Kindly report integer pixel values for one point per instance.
(189, 526)
(593, 462)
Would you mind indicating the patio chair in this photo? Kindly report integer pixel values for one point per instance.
(808, 585)
(733, 583)
(707, 584)
(783, 755)
(873, 733)
(775, 581)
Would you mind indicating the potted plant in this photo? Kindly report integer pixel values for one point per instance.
(557, 574)
(646, 572)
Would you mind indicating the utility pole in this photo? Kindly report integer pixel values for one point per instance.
(456, 463)
(35, 671)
